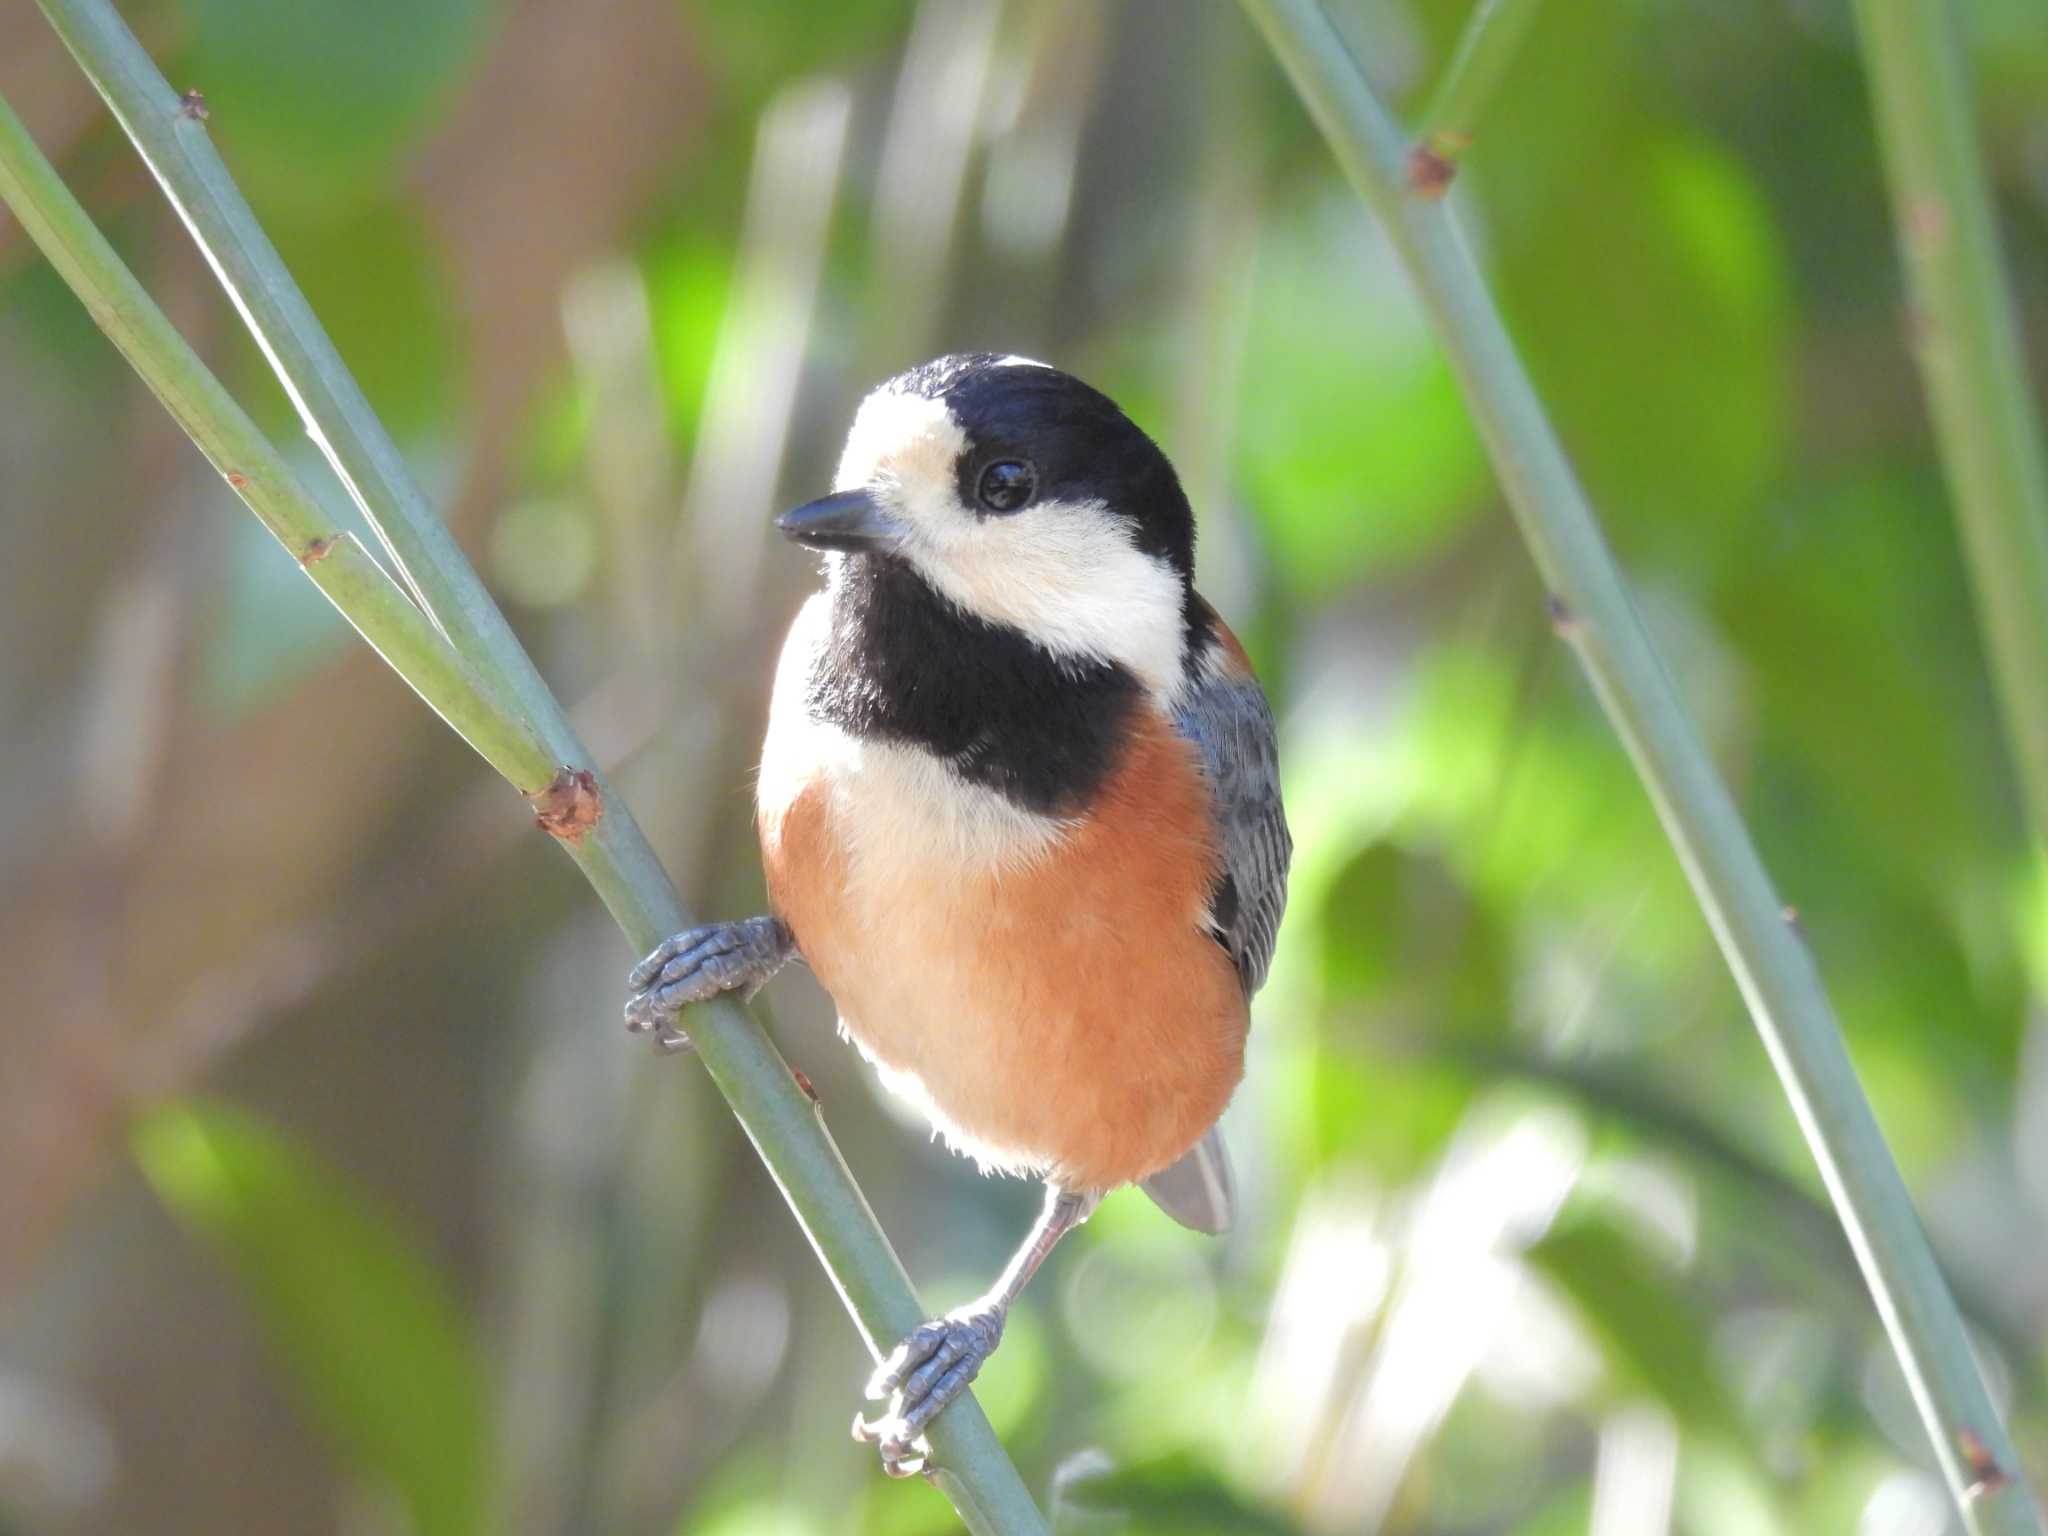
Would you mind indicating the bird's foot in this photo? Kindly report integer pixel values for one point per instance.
(698, 965)
(923, 1374)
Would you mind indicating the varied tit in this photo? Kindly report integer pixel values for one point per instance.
(1020, 812)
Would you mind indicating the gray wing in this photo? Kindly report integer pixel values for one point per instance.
(1227, 717)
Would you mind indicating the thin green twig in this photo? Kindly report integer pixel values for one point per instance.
(1967, 335)
(236, 446)
(1592, 607)
(537, 750)
(1486, 47)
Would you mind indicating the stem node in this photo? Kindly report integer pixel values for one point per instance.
(570, 805)
(1430, 174)
(1983, 1465)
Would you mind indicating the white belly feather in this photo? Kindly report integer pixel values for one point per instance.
(915, 838)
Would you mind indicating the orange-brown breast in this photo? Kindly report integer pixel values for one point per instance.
(1066, 1013)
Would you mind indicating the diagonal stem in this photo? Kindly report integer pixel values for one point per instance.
(236, 446)
(1592, 607)
(471, 682)
(174, 143)
(1968, 339)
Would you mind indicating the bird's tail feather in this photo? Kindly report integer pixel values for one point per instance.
(1199, 1191)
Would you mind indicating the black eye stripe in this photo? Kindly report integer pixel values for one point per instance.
(1007, 485)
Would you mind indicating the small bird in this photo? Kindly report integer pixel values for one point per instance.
(1019, 809)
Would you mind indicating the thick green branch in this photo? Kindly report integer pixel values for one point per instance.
(489, 691)
(1968, 339)
(1592, 606)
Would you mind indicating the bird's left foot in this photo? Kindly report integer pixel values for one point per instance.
(698, 965)
(923, 1374)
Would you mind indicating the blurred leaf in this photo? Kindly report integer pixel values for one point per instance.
(762, 43)
(1353, 441)
(363, 1319)
(1721, 1491)
(2009, 68)
(1534, 805)
(1638, 1312)
(1407, 956)
(1885, 788)
(1569, 1513)
(756, 1517)
(1851, 615)
(1176, 1494)
(689, 283)
(1401, 932)
(1650, 298)
(377, 281)
(315, 99)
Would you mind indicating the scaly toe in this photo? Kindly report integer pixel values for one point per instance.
(922, 1375)
(696, 966)
(710, 944)
(907, 1357)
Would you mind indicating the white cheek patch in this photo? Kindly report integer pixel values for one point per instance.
(1067, 575)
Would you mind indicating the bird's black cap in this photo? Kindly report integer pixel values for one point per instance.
(1083, 446)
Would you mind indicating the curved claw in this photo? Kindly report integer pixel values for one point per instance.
(900, 1457)
(922, 1375)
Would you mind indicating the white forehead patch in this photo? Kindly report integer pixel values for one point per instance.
(1065, 573)
(896, 437)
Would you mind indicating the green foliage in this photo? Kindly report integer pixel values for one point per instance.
(1652, 1336)
(760, 45)
(317, 99)
(1340, 496)
(1665, 251)
(376, 280)
(1175, 1495)
(361, 1316)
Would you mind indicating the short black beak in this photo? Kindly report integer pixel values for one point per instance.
(849, 520)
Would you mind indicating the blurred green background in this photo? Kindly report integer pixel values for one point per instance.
(333, 1198)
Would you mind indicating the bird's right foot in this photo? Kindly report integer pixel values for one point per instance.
(925, 1373)
(699, 964)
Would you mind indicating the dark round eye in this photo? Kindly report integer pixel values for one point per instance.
(1006, 485)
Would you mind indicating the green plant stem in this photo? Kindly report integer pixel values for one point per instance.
(783, 1123)
(178, 150)
(1968, 340)
(1485, 49)
(235, 446)
(1592, 607)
